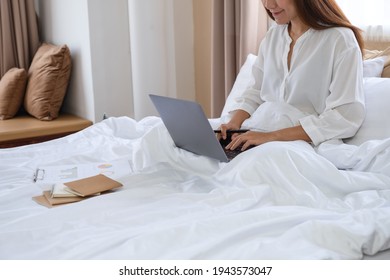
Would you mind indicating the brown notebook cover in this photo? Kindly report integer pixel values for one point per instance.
(92, 185)
(49, 202)
(61, 200)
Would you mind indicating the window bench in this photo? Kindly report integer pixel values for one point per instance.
(24, 130)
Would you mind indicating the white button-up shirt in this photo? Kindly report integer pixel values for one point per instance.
(324, 82)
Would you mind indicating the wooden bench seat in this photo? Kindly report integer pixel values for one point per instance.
(24, 130)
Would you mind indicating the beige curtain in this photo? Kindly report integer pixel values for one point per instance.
(238, 26)
(19, 37)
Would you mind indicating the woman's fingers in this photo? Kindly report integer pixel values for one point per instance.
(244, 141)
(224, 128)
(237, 141)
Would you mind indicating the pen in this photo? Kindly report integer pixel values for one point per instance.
(35, 176)
(38, 175)
(232, 131)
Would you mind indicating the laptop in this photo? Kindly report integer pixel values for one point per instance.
(190, 129)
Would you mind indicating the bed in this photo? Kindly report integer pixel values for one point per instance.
(293, 203)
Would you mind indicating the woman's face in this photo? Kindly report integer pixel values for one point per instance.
(283, 11)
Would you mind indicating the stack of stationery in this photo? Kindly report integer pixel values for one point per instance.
(63, 193)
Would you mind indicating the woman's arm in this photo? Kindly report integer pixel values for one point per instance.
(254, 138)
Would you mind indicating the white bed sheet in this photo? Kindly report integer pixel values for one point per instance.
(278, 201)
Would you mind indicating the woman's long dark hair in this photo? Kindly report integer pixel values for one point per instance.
(323, 14)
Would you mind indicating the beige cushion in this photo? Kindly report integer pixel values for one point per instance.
(370, 54)
(48, 79)
(12, 88)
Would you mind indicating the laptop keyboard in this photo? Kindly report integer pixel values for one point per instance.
(230, 153)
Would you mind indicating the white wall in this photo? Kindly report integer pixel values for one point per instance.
(66, 22)
(98, 35)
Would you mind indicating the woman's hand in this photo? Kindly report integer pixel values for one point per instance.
(248, 139)
(235, 123)
(255, 138)
(226, 127)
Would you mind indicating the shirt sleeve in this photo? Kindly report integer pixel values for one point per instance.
(250, 99)
(344, 112)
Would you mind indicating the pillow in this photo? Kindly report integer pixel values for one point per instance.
(241, 83)
(376, 124)
(370, 54)
(373, 67)
(48, 79)
(12, 88)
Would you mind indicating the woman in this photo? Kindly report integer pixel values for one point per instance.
(310, 69)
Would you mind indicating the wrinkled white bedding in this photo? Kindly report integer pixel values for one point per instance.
(277, 201)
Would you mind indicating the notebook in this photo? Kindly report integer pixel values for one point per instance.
(189, 127)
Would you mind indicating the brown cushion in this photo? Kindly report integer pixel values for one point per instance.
(12, 88)
(48, 79)
(370, 54)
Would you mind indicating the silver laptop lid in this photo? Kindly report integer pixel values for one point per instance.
(188, 126)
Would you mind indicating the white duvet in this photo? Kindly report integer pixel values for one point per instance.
(276, 201)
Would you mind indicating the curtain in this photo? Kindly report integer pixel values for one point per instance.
(161, 51)
(18, 34)
(238, 26)
(372, 16)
